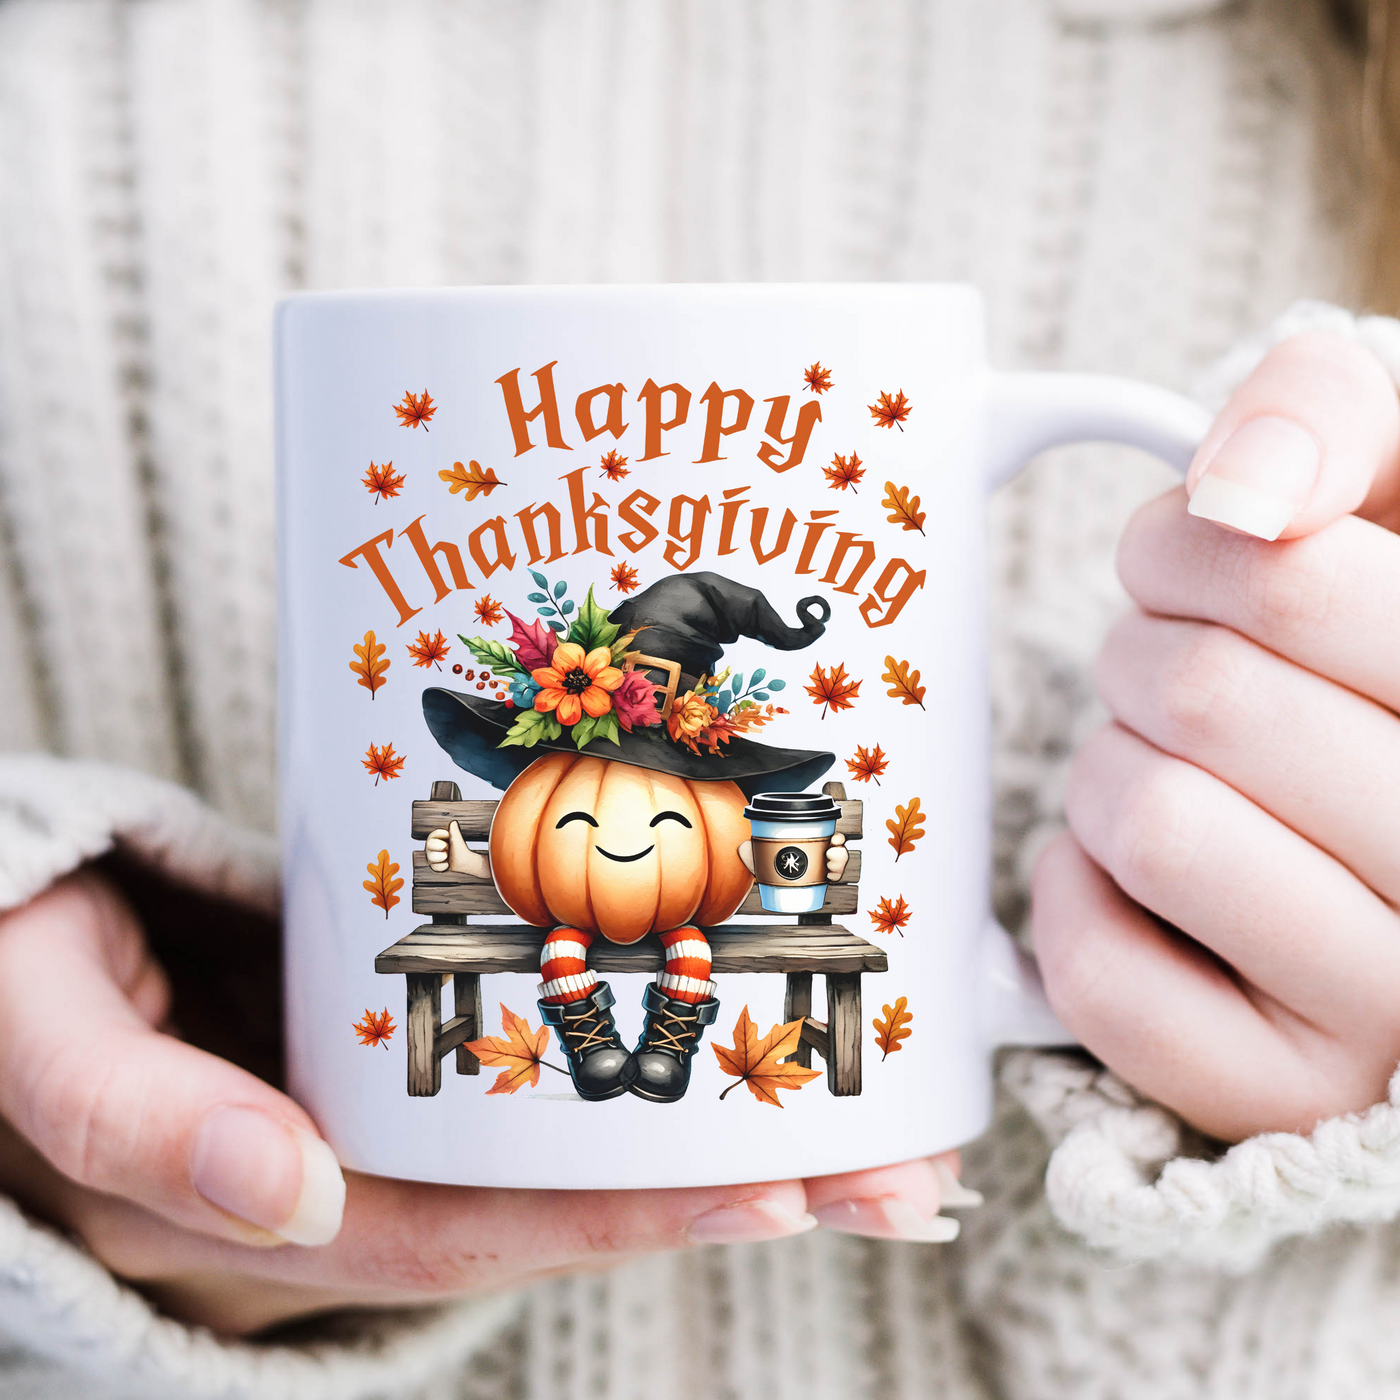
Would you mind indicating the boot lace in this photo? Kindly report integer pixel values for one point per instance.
(590, 1030)
(672, 1030)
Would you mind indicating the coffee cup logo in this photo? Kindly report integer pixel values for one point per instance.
(791, 863)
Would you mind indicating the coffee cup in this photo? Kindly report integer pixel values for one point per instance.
(792, 833)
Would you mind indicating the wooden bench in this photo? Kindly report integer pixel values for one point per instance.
(451, 949)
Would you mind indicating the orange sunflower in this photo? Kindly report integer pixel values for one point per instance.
(576, 683)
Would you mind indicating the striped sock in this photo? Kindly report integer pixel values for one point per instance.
(687, 975)
(564, 967)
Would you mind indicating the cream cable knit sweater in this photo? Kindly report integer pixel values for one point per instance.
(1137, 185)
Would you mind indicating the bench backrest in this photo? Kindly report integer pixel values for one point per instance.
(454, 894)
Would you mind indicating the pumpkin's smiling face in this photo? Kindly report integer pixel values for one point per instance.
(609, 848)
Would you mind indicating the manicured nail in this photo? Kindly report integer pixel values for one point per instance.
(885, 1218)
(951, 1191)
(1259, 477)
(747, 1222)
(270, 1174)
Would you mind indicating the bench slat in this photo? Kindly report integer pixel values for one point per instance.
(733, 948)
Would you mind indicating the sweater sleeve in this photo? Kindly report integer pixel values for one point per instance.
(1128, 1175)
(55, 1299)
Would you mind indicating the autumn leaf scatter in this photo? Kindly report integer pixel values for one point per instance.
(383, 763)
(758, 1062)
(520, 1054)
(382, 885)
(832, 691)
(893, 1028)
(428, 651)
(890, 411)
(905, 827)
(843, 472)
(375, 1029)
(817, 379)
(475, 480)
(868, 764)
(903, 511)
(624, 578)
(488, 611)
(903, 685)
(613, 467)
(370, 663)
(416, 409)
(890, 917)
(381, 481)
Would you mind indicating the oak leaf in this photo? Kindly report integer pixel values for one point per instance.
(383, 763)
(428, 651)
(381, 481)
(475, 480)
(903, 684)
(833, 691)
(903, 511)
(889, 410)
(415, 409)
(893, 1030)
(843, 472)
(817, 379)
(759, 1062)
(905, 827)
(890, 917)
(613, 467)
(382, 888)
(488, 611)
(624, 578)
(370, 663)
(868, 764)
(373, 1029)
(521, 1053)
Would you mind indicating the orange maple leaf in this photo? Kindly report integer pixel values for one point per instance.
(521, 1053)
(375, 1029)
(475, 480)
(428, 651)
(488, 611)
(890, 918)
(370, 663)
(832, 691)
(868, 764)
(382, 888)
(759, 1063)
(888, 411)
(903, 684)
(613, 467)
(893, 1030)
(381, 481)
(383, 763)
(903, 511)
(624, 578)
(843, 472)
(905, 827)
(415, 409)
(817, 379)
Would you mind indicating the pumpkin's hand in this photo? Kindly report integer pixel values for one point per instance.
(436, 848)
(746, 855)
(462, 859)
(836, 857)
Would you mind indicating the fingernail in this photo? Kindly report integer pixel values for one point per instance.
(885, 1218)
(270, 1174)
(1259, 477)
(747, 1222)
(951, 1191)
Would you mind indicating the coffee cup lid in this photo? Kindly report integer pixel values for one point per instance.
(791, 807)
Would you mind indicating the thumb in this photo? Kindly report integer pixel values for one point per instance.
(116, 1106)
(1312, 434)
(456, 843)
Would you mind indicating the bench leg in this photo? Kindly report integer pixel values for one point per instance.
(798, 1005)
(844, 1031)
(423, 1022)
(466, 1001)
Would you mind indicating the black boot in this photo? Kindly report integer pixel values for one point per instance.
(659, 1069)
(590, 1042)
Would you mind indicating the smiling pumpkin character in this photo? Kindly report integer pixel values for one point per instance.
(645, 837)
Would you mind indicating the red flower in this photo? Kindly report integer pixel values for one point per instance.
(635, 701)
(576, 683)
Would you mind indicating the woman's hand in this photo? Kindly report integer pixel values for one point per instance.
(187, 1174)
(1219, 926)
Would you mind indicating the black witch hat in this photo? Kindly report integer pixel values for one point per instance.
(683, 622)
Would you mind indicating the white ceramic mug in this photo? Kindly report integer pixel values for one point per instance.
(705, 542)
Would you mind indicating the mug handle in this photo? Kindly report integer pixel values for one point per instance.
(1024, 414)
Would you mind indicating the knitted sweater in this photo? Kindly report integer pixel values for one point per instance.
(1137, 185)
